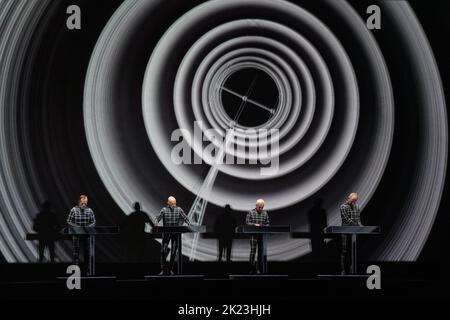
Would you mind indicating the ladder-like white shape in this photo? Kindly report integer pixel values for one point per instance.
(198, 208)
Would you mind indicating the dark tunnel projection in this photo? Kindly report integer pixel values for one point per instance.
(93, 113)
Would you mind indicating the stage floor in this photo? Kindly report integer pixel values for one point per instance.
(210, 282)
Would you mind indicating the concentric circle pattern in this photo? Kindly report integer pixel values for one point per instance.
(331, 98)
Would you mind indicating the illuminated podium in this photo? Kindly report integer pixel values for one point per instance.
(352, 231)
(178, 231)
(262, 229)
(262, 232)
(90, 233)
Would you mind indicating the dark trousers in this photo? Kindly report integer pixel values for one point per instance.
(225, 246)
(165, 251)
(256, 242)
(50, 244)
(345, 253)
(77, 244)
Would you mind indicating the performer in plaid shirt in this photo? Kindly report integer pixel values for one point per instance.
(257, 217)
(351, 216)
(171, 216)
(80, 216)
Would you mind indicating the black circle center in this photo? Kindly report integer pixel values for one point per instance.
(250, 97)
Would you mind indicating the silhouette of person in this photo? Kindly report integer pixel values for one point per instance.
(317, 217)
(133, 230)
(47, 227)
(224, 226)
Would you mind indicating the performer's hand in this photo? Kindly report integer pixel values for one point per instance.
(257, 225)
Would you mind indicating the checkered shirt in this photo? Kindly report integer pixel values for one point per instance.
(255, 217)
(79, 217)
(172, 216)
